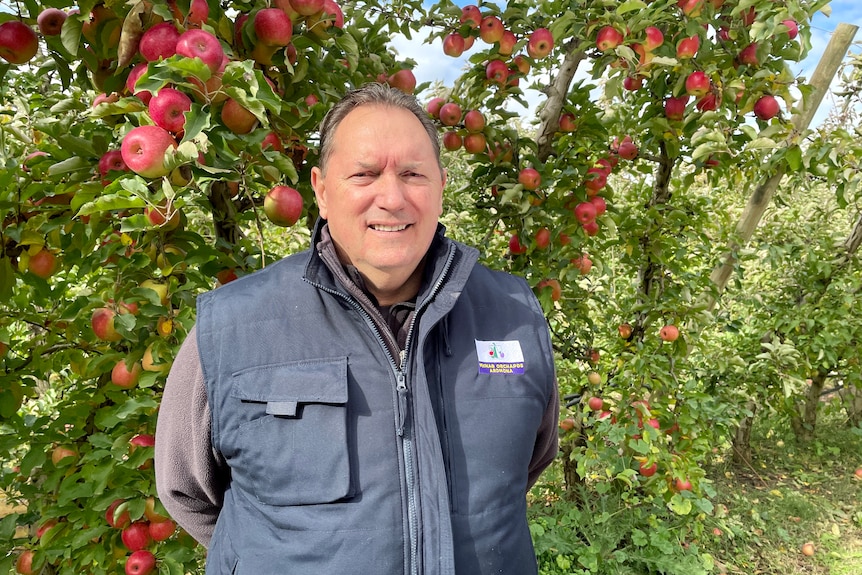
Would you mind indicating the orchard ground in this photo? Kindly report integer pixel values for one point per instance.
(790, 495)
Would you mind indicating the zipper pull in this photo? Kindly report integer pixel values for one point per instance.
(401, 387)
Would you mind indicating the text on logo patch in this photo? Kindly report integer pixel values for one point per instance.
(500, 357)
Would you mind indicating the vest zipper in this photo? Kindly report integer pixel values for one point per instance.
(400, 369)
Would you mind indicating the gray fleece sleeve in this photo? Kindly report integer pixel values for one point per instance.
(190, 477)
(547, 439)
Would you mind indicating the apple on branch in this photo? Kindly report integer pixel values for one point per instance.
(122, 375)
(491, 29)
(471, 15)
(608, 38)
(237, 118)
(159, 42)
(273, 27)
(497, 71)
(18, 42)
(554, 285)
(50, 21)
(453, 45)
(540, 43)
(403, 80)
(140, 562)
(452, 140)
(42, 264)
(102, 322)
(168, 108)
(283, 205)
(201, 44)
(530, 178)
(766, 107)
(450, 114)
(475, 143)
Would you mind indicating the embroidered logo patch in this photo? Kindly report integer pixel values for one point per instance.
(500, 356)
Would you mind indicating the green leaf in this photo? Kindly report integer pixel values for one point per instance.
(630, 6)
(110, 203)
(794, 158)
(72, 164)
(679, 504)
(7, 279)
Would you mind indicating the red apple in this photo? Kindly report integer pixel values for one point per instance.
(766, 107)
(543, 238)
(159, 42)
(522, 65)
(105, 98)
(162, 530)
(403, 80)
(625, 330)
(591, 228)
(111, 161)
(669, 333)
(647, 471)
(136, 536)
(307, 7)
(627, 149)
(50, 21)
(471, 15)
(583, 263)
(540, 44)
(691, 8)
(117, 521)
(434, 105)
(858, 473)
(674, 107)
(330, 15)
(585, 212)
(283, 205)
(682, 485)
(596, 403)
(24, 563)
(556, 290)
(168, 109)
(201, 44)
(237, 118)
(633, 83)
(748, 55)
(453, 45)
(530, 178)
(515, 245)
(165, 216)
(654, 38)
(144, 150)
(60, 453)
(475, 143)
(18, 42)
(42, 264)
(273, 27)
(124, 376)
(452, 140)
(450, 114)
(141, 562)
(507, 43)
(491, 29)
(807, 549)
(697, 84)
(568, 123)
(707, 103)
(792, 28)
(600, 204)
(271, 140)
(687, 47)
(102, 322)
(497, 71)
(132, 79)
(608, 38)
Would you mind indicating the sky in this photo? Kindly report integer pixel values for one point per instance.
(433, 65)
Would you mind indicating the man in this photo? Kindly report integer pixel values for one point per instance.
(377, 405)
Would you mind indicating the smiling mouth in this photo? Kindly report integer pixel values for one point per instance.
(382, 228)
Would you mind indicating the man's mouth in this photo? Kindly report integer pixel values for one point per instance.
(382, 228)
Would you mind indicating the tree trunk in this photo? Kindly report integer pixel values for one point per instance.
(742, 438)
(804, 421)
(851, 395)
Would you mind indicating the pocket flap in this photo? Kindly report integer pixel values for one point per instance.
(283, 385)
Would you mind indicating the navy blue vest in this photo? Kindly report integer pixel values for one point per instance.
(344, 463)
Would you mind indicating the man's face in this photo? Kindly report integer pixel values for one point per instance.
(382, 192)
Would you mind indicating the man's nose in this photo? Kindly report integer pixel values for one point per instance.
(391, 192)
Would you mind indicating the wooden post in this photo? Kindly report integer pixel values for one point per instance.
(762, 196)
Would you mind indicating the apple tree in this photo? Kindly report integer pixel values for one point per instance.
(153, 150)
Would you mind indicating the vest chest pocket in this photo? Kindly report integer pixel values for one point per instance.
(291, 444)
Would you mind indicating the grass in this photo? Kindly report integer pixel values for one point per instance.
(790, 495)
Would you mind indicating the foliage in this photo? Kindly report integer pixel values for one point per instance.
(645, 263)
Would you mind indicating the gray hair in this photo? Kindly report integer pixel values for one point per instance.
(379, 94)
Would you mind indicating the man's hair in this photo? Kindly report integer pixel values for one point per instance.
(377, 94)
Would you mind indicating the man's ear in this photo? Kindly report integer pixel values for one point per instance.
(319, 190)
